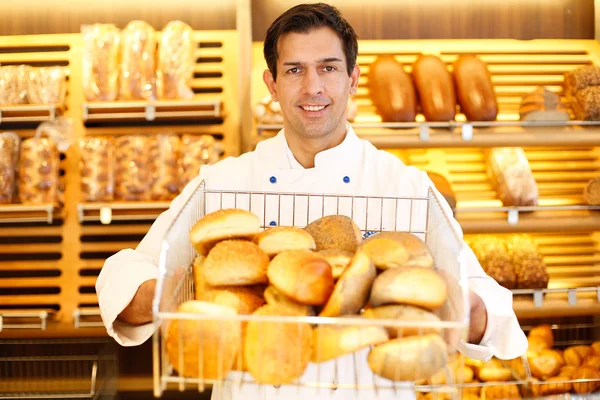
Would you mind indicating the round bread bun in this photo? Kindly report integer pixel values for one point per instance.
(352, 289)
(586, 372)
(241, 299)
(276, 353)
(537, 344)
(421, 287)
(592, 361)
(458, 374)
(403, 312)
(199, 283)
(509, 391)
(572, 357)
(409, 359)
(558, 387)
(492, 374)
(216, 341)
(595, 348)
(338, 259)
(302, 275)
(283, 238)
(582, 350)
(546, 365)
(544, 333)
(235, 263)
(396, 249)
(567, 371)
(223, 224)
(332, 341)
(335, 232)
(275, 298)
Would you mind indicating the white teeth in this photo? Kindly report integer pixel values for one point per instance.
(313, 108)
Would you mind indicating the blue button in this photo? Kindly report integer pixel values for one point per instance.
(273, 179)
(273, 223)
(346, 179)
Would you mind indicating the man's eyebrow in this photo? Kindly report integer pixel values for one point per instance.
(330, 59)
(321, 61)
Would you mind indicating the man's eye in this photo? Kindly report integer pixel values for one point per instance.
(330, 68)
(293, 70)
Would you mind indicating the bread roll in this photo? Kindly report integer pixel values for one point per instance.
(241, 299)
(352, 289)
(586, 372)
(283, 238)
(543, 105)
(592, 361)
(335, 232)
(402, 312)
(537, 344)
(546, 365)
(276, 353)
(332, 341)
(39, 171)
(302, 275)
(595, 348)
(209, 345)
(494, 374)
(235, 263)
(555, 386)
(591, 192)
(474, 89)
(435, 88)
(275, 298)
(221, 225)
(392, 90)
(443, 185)
(544, 332)
(394, 249)
(132, 173)
(338, 260)
(510, 391)
(409, 359)
(421, 287)
(457, 374)
(567, 371)
(572, 357)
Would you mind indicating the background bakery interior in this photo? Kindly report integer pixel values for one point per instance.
(107, 109)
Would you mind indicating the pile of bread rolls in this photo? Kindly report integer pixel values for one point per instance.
(431, 89)
(323, 270)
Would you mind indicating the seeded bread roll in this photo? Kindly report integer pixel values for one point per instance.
(283, 238)
(527, 261)
(235, 263)
(335, 232)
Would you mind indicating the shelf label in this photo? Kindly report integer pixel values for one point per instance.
(0, 123)
(572, 297)
(150, 112)
(538, 298)
(467, 132)
(85, 112)
(513, 217)
(105, 215)
(424, 132)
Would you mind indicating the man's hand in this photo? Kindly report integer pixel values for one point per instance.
(478, 318)
(139, 311)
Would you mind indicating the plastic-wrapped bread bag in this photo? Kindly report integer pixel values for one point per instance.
(13, 84)
(164, 154)
(97, 169)
(175, 61)
(138, 47)
(47, 85)
(132, 174)
(511, 176)
(195, 152)
(9, 157)
(100, 62)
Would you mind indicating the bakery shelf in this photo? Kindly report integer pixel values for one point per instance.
(151, 110)
(30, 113)
(559, 302)
(105, 213)
(17, 213)
(87, 318)
(24, 319)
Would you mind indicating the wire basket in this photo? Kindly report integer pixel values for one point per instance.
(58, 369)
(424, 217)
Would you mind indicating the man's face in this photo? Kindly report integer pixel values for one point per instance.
(312, 84)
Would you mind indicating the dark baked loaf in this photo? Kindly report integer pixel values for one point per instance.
(392, 90)
(474, 89)
(493, 257)
(581, 78)
(527, 261)
(435, 88)
(586, 104)
(591, 193)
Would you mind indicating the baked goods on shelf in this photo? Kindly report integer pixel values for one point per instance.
(591, 192)
(511, 176)
(13, 84)
(96, 168)
(100, 62)
(491, 252)
(47, 85)
(196, 150)
(9, 158)
(542, 105)
(39, 171)
(164, 153)
(132, 175)
(435, 88)
(474, 89)
(138, 45)
(582, 89)
(175, 67)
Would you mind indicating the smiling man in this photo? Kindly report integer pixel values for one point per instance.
(311, 56)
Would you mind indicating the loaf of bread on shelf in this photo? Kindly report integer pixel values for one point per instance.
(176, 61)
(138, 46)
(39, 171)
(543, 105)
(511, 176)
(392, 90)
(101, 44)
(530, 269)
(132, 172)
(9, 158)
(586, 104)
(474, 89)
(435, 88)
(591, 192)
(164, 151)
(47, 85)
(96, 164)
(196, 150)
(491, 253)
(581, 78)
(13, 84)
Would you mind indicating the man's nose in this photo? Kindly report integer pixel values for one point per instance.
(313, 84)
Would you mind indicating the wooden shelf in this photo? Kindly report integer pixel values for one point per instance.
(120, 211)
(556, 302)
(18, 213)
(30, 113)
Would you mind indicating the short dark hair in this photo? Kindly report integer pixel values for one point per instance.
(302, 19)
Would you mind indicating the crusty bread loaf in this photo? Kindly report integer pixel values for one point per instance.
(491, 253)
(474, 89)
(581, 78)
(408, 359)
(586, 104)
(352, 289)
(275, 298)
(235, 263)
(591, 193)
(283, 238)
(209, 346)
(338, 260)
(302, 275)
(332, 341)
(421, 287)
(435, 88)
(392, 90)
(221, 225)
(528, 263)
(402, 312)
(276, 353)
(335, 232)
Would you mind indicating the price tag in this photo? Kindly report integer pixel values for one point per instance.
(467, 132)
(105, 215)
(513, 217)
(572, 297)
(85, 112)
(538, 298)
(424, 132)
(150, 112)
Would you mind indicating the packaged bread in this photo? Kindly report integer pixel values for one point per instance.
(39, 171)
(9, 157)
(435, 88)
(175, 62)
(196, 150)
(132, 175)
(47, 85)
(392, 90)
(13, 84)
(138, 46)
(530, 269)
(586, 104)
(474, 89)
(100, 62)
(511, 176)
(491, 253)
(163, 158)
(542, 105)
(97, 169)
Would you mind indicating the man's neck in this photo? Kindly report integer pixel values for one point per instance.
(305, 149)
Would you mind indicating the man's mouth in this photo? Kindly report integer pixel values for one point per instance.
(313, 108)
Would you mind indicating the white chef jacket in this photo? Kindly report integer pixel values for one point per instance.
(355, 167)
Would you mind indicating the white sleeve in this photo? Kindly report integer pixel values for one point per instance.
(124, 272)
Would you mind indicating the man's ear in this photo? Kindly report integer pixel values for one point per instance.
(270, 82)
(354, 80)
